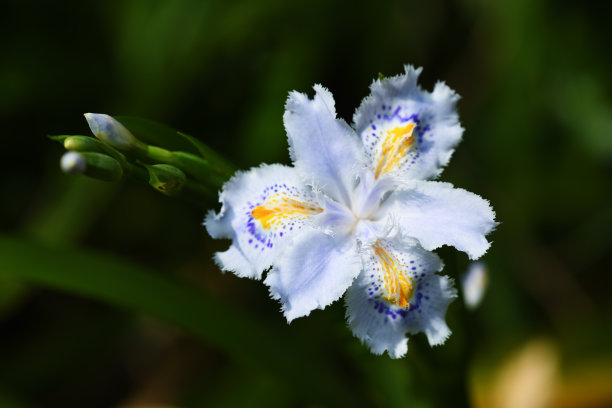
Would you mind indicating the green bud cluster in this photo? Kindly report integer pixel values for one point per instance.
(116, 152)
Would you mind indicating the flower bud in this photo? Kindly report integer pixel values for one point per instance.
(95, 165)
(73, 163)
(474, 284)
(110, 131)
(166, 179)
(89, 144)
(102, 167)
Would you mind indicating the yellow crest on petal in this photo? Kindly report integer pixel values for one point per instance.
(396, 282)
(395, 146)
(280, 207)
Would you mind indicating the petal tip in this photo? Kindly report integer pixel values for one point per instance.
(217, 225)
(233, 261)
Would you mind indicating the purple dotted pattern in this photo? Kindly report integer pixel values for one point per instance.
(262, 239)
(389, 117)
(417, 273)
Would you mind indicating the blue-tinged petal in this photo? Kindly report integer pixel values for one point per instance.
(437, 214)
(438, 292)
(314, 272)
(407, 131)
(396, 294)
(336, 219)
(368, 194)
(324, 149)
(262, 211)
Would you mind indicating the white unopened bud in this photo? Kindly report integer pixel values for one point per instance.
(474, 284)
(73, 163)
(110, 131)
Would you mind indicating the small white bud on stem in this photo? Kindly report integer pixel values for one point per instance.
(73, 163)
(474, 284)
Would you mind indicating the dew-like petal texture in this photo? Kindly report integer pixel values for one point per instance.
(314, 272)
(398, 293)
(263, 209)
(324, 149)
(438, 214)
(408, 131)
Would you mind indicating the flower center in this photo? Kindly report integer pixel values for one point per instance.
(367, 194)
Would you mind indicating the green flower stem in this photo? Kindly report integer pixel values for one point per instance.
(191, 164)
(192, 191)
(136, 172)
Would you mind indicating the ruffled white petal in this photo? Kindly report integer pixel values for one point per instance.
(314, 272)
(438, 292)
(437, 214)
(324, 149)
(408, 131)
(262, 210)
(381, 316)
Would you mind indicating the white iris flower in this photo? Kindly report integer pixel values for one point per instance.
(355, 214)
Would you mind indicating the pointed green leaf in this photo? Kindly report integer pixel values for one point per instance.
(138, 288)
(157, 134)
(61, 138)
(243, 335)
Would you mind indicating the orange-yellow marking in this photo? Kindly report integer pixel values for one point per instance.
(397, 283)
(276, 208)
(398, 141)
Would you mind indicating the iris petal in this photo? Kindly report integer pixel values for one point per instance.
(324, 149)
(407, 131)
(398, 293)
(438, 214)
(313, 273)
(263, 209)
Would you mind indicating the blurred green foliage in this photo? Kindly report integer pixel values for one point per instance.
(84, 265)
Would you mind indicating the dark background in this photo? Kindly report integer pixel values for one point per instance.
(535, 82)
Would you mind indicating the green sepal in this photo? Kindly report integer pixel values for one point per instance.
(102, 167)
(166, 179)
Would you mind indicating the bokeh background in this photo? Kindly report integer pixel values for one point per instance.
(109, 297)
